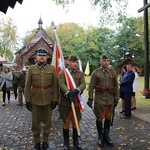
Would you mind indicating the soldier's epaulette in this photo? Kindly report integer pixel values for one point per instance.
(98, 69)
(52, 66)
(32, 66)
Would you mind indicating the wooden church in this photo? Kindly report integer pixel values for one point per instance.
(27, 55)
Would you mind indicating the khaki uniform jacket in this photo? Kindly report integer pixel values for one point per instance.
(79, 81)
(37, 76)
(106, 79)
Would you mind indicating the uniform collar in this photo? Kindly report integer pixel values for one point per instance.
(104, 69)
(43, 66)
(72, 71)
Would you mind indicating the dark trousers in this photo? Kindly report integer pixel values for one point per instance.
(127, 100)
(15, 87)
(4, 95)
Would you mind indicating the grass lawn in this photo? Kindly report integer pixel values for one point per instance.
(139, 99)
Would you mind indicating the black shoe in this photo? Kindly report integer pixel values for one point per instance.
(108, 141)
(122, 111)
(3, 104)
(37, 146)
(133, 108)
(45, 146)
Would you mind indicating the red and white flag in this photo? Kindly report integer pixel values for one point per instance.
(73, 86)
(58, 59)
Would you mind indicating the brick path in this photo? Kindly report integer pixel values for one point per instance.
(15, 131)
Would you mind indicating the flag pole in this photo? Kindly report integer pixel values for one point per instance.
(57, 40)
(73, 108)
(72, 104)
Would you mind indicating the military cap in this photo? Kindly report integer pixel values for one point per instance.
(41, 52)
(104, 56)
(73, 58)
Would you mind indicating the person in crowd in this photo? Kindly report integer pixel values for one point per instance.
(135, 87)
(21, 75)
(41, 96)
(124, 70)
(68, 95)
(104, 84)
(6, 84)
(126, 89)
(15, 84)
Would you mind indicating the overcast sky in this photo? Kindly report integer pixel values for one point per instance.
(26, 16)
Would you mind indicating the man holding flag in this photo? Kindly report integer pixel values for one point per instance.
(72, 83)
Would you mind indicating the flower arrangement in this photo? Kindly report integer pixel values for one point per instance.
(145, 92)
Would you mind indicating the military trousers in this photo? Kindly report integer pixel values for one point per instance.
(67, 117)
(41, 122)
(20, 94)
(103, 111)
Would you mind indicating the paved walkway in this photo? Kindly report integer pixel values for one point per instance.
(15, 131)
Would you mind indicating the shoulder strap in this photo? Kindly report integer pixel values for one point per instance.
(98, 75)
(112, 73)
(79, 75)
(113, 76)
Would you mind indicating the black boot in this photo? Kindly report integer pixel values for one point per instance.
(106, 133)
(76, 143)
(37, 146)
(45, 146)
(66, 139)
(100, 133)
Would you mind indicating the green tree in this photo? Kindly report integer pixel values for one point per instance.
(128, 42)
(72, 37)
(8, 38)
(111, 11)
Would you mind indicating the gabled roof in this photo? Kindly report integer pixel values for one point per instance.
(2, 60)
(127, 61)
(4, 4)
(40, 34)
(30, 49)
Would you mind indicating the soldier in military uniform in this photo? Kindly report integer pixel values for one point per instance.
(41, 96)
(21, 75)
(104, 82)
(15, 84)
(68, 96)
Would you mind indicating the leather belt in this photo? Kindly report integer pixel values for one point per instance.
(41, 87)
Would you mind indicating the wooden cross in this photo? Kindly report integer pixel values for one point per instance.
(146, 43)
